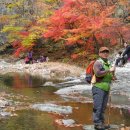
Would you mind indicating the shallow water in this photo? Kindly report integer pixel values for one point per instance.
(32, 87)
(83, 114)
(28, 85)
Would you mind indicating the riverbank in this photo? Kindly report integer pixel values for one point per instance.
(48, 70)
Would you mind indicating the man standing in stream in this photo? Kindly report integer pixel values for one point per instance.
(104, 73)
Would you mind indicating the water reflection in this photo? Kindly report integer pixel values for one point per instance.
(28, 85)
(16, 80)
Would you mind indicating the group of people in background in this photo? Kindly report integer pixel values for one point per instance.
(30, 60)
(123, 57)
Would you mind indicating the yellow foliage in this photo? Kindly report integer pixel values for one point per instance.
(37, 29)
(41, 21)
(11, 29)
(28, 41)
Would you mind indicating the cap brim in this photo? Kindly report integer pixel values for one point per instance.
(104, 50)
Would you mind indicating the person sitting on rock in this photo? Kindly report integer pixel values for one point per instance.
(118, 59)
(30, 56)
(43, 59)
(26, 60)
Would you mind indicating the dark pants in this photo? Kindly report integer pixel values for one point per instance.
(118, 61)
(31, 60)
(125, 59)
(100, 99)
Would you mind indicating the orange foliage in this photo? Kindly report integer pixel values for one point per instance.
(79, 21)
(4, 19)
(83, 22)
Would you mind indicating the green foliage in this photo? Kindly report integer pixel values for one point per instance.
(12, 5)
(65, 60)
(12, 32)
(8, 29)
(51, 1)
(15, 16)
(28, 41)
(48, 13)
(4, 46)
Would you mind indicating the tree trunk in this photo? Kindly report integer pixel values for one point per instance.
(96, 45)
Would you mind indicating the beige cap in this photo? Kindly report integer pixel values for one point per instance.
(103, 49)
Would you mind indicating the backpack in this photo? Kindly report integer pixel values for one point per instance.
(89, 72)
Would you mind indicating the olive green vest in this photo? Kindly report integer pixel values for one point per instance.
(104, 84)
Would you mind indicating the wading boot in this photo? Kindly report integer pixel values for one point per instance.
(107, 126)
(99, 127)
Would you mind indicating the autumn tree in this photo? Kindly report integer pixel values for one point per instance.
(83, 22)
(25, 19)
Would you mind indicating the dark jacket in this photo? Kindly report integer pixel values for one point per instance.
(127, 51)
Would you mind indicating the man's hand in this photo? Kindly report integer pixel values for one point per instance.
(114, 77)
(112, 69)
